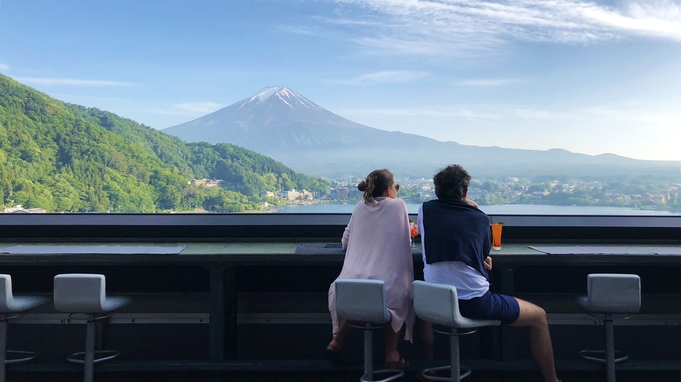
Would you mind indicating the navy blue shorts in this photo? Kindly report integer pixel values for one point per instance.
(491, 306)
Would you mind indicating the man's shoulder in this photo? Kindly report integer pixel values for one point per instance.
(454, 205)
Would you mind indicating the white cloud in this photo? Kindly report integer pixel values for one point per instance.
(487, 82)
(459, 27)
(384, 77)
(199, 107)
(188, 108)
(72, 82)
(4, 67)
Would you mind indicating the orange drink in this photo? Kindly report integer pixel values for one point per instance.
(496, 236)
(413, 231)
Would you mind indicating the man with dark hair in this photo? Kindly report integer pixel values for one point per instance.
(456, 244)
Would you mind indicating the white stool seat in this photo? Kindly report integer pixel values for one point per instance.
(86, 293)
(11, 306)
(609, 294)
(439, 304)
(612, 293)
(365, 301)
(361, 300)
(21, 304)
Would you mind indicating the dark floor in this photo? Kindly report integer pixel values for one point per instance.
(314, 376)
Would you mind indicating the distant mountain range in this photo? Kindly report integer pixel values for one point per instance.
(69, 158)
(283, 124)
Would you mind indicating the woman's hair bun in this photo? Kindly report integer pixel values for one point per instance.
(362, 186)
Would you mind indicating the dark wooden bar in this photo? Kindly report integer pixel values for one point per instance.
(239, 283)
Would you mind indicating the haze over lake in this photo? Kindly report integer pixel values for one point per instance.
(497, 209)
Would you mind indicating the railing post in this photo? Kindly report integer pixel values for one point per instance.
(507, 333)
(222, 341)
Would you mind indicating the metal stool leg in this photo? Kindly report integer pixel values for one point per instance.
(455, 360)
(3, 348)
(369, 372)
(368, 354)
(457, 372)
(90, 351)
(609, 351)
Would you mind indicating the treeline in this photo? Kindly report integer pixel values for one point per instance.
(632, 192)
(68, 158)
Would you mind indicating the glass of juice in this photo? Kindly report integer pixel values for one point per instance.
(413, 231)
(496, 236)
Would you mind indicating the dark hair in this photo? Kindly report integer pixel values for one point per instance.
(451, 182)
(376, 183)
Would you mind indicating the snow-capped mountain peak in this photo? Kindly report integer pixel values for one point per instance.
(265, 93)
(281, 93)
(270, 112)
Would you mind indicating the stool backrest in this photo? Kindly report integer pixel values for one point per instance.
(6, 297)
(79, 293)
(439, 304)
(361, 300)
(613, 293)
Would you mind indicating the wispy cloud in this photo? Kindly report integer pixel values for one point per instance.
(384, 77)
(454, 27)
(199, 107)
(634, 115)
(527, 113)
(167, 111)
(72, 82)
(4, 67)
(421, 112)
(487, 82)
(294, 29)
(188, 108)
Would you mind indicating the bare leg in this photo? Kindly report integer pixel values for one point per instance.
(338, 340)
(540, 339)
(425, 333)
(391, 338)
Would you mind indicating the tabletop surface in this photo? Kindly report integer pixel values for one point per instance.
(264, 249)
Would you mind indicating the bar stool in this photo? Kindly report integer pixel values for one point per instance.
(11, 307)
(78, 293)
(609, 294)
(439, 304)
(364, 301)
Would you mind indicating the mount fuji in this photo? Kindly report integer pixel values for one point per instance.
(278, 122)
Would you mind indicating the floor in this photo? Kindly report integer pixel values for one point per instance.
(628, 376)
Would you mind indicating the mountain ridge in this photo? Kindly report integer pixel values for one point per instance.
(70, 158)
(313, 140)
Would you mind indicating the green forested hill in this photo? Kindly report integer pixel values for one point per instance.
(64, 157)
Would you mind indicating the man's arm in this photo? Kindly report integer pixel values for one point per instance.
(488, 263)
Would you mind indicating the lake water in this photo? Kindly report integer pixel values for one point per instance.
(498, 209)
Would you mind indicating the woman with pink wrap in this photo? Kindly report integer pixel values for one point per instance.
(378, 247)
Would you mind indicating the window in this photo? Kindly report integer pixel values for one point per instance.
(553, 109)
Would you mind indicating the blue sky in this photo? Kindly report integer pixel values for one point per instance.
(589, 77)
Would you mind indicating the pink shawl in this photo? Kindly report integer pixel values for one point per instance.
(378, 247)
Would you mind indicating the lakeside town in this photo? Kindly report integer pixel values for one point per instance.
(645, 195)
(651, 195)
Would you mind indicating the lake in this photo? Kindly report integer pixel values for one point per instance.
(497, 209)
